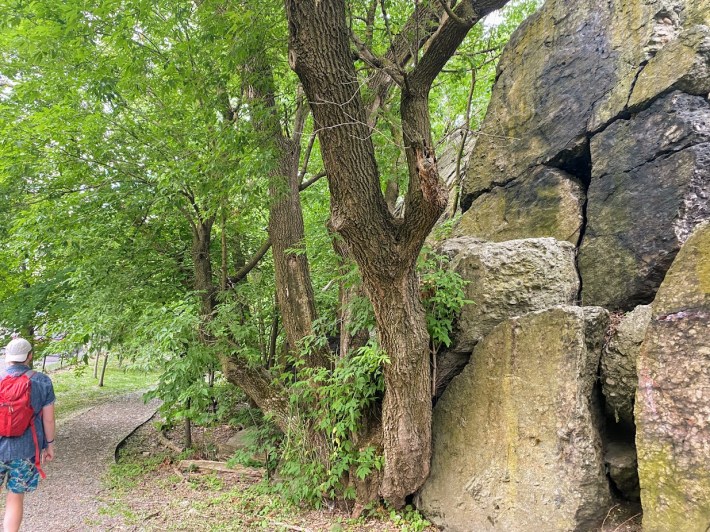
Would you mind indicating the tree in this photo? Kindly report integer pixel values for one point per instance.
(384, 247)
(148, 147)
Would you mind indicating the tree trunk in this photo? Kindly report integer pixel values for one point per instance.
(294, 288)
(385, 248)
(259, 385)
(202, 263)
(187, 428)
(385, 254)
(96, 365)
(406, 408)
(103, 371)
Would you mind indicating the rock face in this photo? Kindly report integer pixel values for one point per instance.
(621, 463)
(516, 445)
(509, 279)
(618, 367)
(597, 134)
(552, 71)
(547, 203)
(673, 398)
(650, 186)
(611, 98)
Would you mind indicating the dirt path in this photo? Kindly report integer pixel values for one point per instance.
(85, 448)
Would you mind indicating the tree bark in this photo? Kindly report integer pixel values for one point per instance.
(103, 371)
(406, 408)
(294, 287)
(259, 385)
(385, 248)
(202, 264)
(187, 428)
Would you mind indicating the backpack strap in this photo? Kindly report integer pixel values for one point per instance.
(38, 459)
(38, 455)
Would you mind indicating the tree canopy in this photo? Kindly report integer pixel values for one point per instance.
(152, 152)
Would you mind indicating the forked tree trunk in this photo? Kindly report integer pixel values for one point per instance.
(385, 248)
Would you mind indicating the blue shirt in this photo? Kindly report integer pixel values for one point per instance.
(41, 395)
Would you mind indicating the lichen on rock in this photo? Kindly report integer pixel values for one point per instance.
(516, 445)
(673, 398)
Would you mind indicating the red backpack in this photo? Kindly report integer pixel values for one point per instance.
(16, 412)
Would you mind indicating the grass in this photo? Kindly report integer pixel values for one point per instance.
(77, 389)
(146, 491)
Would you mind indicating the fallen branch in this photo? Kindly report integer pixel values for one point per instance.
(210, 465)
(167, 443)
(289, 527)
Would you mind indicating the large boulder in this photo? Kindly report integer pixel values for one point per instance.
(659, 46)
(509, 279)
(650, 186)
(588, 93)
(572, 68)
(546, 203)
(673, 398)
(683, 64)
(618, 367)
(515, 436)
(622, 466)
(550, 74)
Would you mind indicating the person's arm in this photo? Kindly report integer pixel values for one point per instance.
(49, 431)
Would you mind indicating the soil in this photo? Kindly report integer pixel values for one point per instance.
(146, 491)
(170, 499)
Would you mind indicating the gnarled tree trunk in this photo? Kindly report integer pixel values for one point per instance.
(384, 247)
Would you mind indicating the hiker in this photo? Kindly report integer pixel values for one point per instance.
(26, 431)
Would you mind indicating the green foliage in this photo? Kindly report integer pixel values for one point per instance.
(332, 403)
(127, 125)
(443, 296)
(409, 519)
(264, 447)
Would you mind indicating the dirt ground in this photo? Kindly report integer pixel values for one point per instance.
(170, 499)
(162, 497)
(146, 490)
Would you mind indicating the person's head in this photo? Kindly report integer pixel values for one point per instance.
(18, 351)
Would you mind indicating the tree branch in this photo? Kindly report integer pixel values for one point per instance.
(190, 218)
(303, 186)
(249, 266)
(401, 51)
(383, 63)
(370, 22)
(302, 112)
(448, 38)
(453, 15)
(307, 155)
